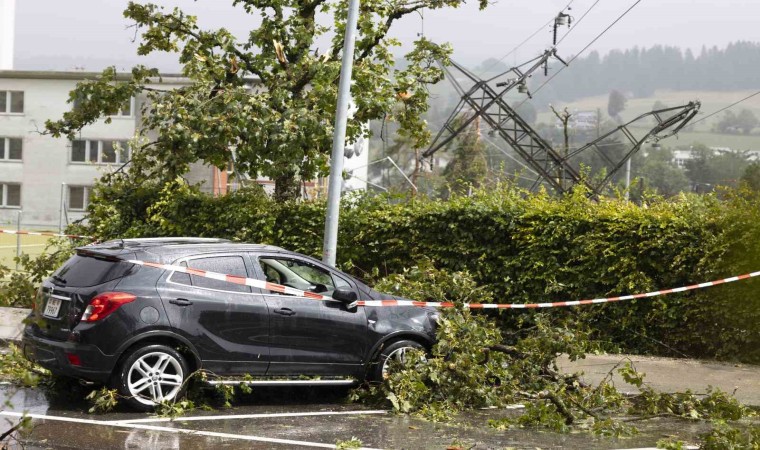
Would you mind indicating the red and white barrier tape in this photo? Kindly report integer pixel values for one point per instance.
(555, 304)
(234, 279)
(42, 233)
(297, 292)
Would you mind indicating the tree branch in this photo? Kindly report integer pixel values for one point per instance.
(392, 17)
(183, 28)
(561, 407)
(11, 430)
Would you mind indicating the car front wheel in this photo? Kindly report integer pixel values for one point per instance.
(150, 375)
(395, 351)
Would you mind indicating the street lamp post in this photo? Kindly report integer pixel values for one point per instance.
(339, 137)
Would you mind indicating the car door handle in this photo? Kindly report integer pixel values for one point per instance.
(180, 302)
(285, 312)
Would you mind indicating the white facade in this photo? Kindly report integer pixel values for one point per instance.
(52, 180)
(681, 156)
(48, 179)
(356, 167)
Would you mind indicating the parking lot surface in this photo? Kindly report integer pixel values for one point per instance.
(294, 418)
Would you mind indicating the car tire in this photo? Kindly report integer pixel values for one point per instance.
(151, 374)
(394, 350)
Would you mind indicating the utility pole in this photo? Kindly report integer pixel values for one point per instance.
(339, 138)
(564, 118)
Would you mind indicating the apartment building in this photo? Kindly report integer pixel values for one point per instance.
(49, 180)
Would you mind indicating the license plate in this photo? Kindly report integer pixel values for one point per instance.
(52, 307)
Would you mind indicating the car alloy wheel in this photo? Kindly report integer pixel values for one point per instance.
(151, 375)
(396, 351)
(154, 377)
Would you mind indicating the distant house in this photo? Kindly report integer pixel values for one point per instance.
(681, 156)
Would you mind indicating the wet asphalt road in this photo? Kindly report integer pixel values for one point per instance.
(67, 425)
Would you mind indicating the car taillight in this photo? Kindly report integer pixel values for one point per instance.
(104, 304)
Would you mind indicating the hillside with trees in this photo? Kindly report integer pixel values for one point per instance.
(641, 71)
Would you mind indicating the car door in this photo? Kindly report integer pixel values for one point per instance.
(307, 336)
(228, 323)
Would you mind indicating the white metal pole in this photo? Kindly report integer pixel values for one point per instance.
(18, 239)
(62, 205)
(628, 179)
(339, 137)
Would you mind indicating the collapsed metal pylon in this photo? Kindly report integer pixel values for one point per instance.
(486, 100)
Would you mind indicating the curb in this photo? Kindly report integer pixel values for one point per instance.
(11, 323)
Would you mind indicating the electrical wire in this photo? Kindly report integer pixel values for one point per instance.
(577, 22)
(510, 156)
(542, 27)
(727, 107)
(582, 50)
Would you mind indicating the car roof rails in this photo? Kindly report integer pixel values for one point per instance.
(151, 242)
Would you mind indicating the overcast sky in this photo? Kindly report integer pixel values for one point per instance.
(91, 34)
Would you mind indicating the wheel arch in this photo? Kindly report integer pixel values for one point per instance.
(168, 338)
(420, 338)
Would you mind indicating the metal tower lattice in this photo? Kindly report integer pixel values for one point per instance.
(485, 99)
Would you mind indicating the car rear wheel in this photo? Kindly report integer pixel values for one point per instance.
(150, 375)
(395, 351)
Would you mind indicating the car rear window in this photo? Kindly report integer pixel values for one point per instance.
(83, 271)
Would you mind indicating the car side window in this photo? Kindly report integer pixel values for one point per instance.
(229, 265)
(300, 275)
(181, 278)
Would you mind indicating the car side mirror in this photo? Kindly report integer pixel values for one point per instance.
(344, 294)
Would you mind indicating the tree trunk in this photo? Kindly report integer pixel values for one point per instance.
(287, 187)
(417, 168)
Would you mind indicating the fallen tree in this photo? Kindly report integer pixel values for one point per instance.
(475, 364)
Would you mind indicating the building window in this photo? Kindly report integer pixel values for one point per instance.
(124, 110)
(10, 149)
(11, 102)
(79, 197)
(99, 152)
(11, 195)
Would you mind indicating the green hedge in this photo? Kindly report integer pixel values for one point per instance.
(524, 248)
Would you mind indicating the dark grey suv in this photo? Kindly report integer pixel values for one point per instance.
(144, 330)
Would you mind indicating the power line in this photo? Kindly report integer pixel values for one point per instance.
(542, 27)
(577, 22)
(582, 50)
(727, 107)
(509, 156)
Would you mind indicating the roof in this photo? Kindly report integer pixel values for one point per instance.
(80, 75)
(76, 75)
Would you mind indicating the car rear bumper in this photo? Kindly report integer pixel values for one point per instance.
(55, 356)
